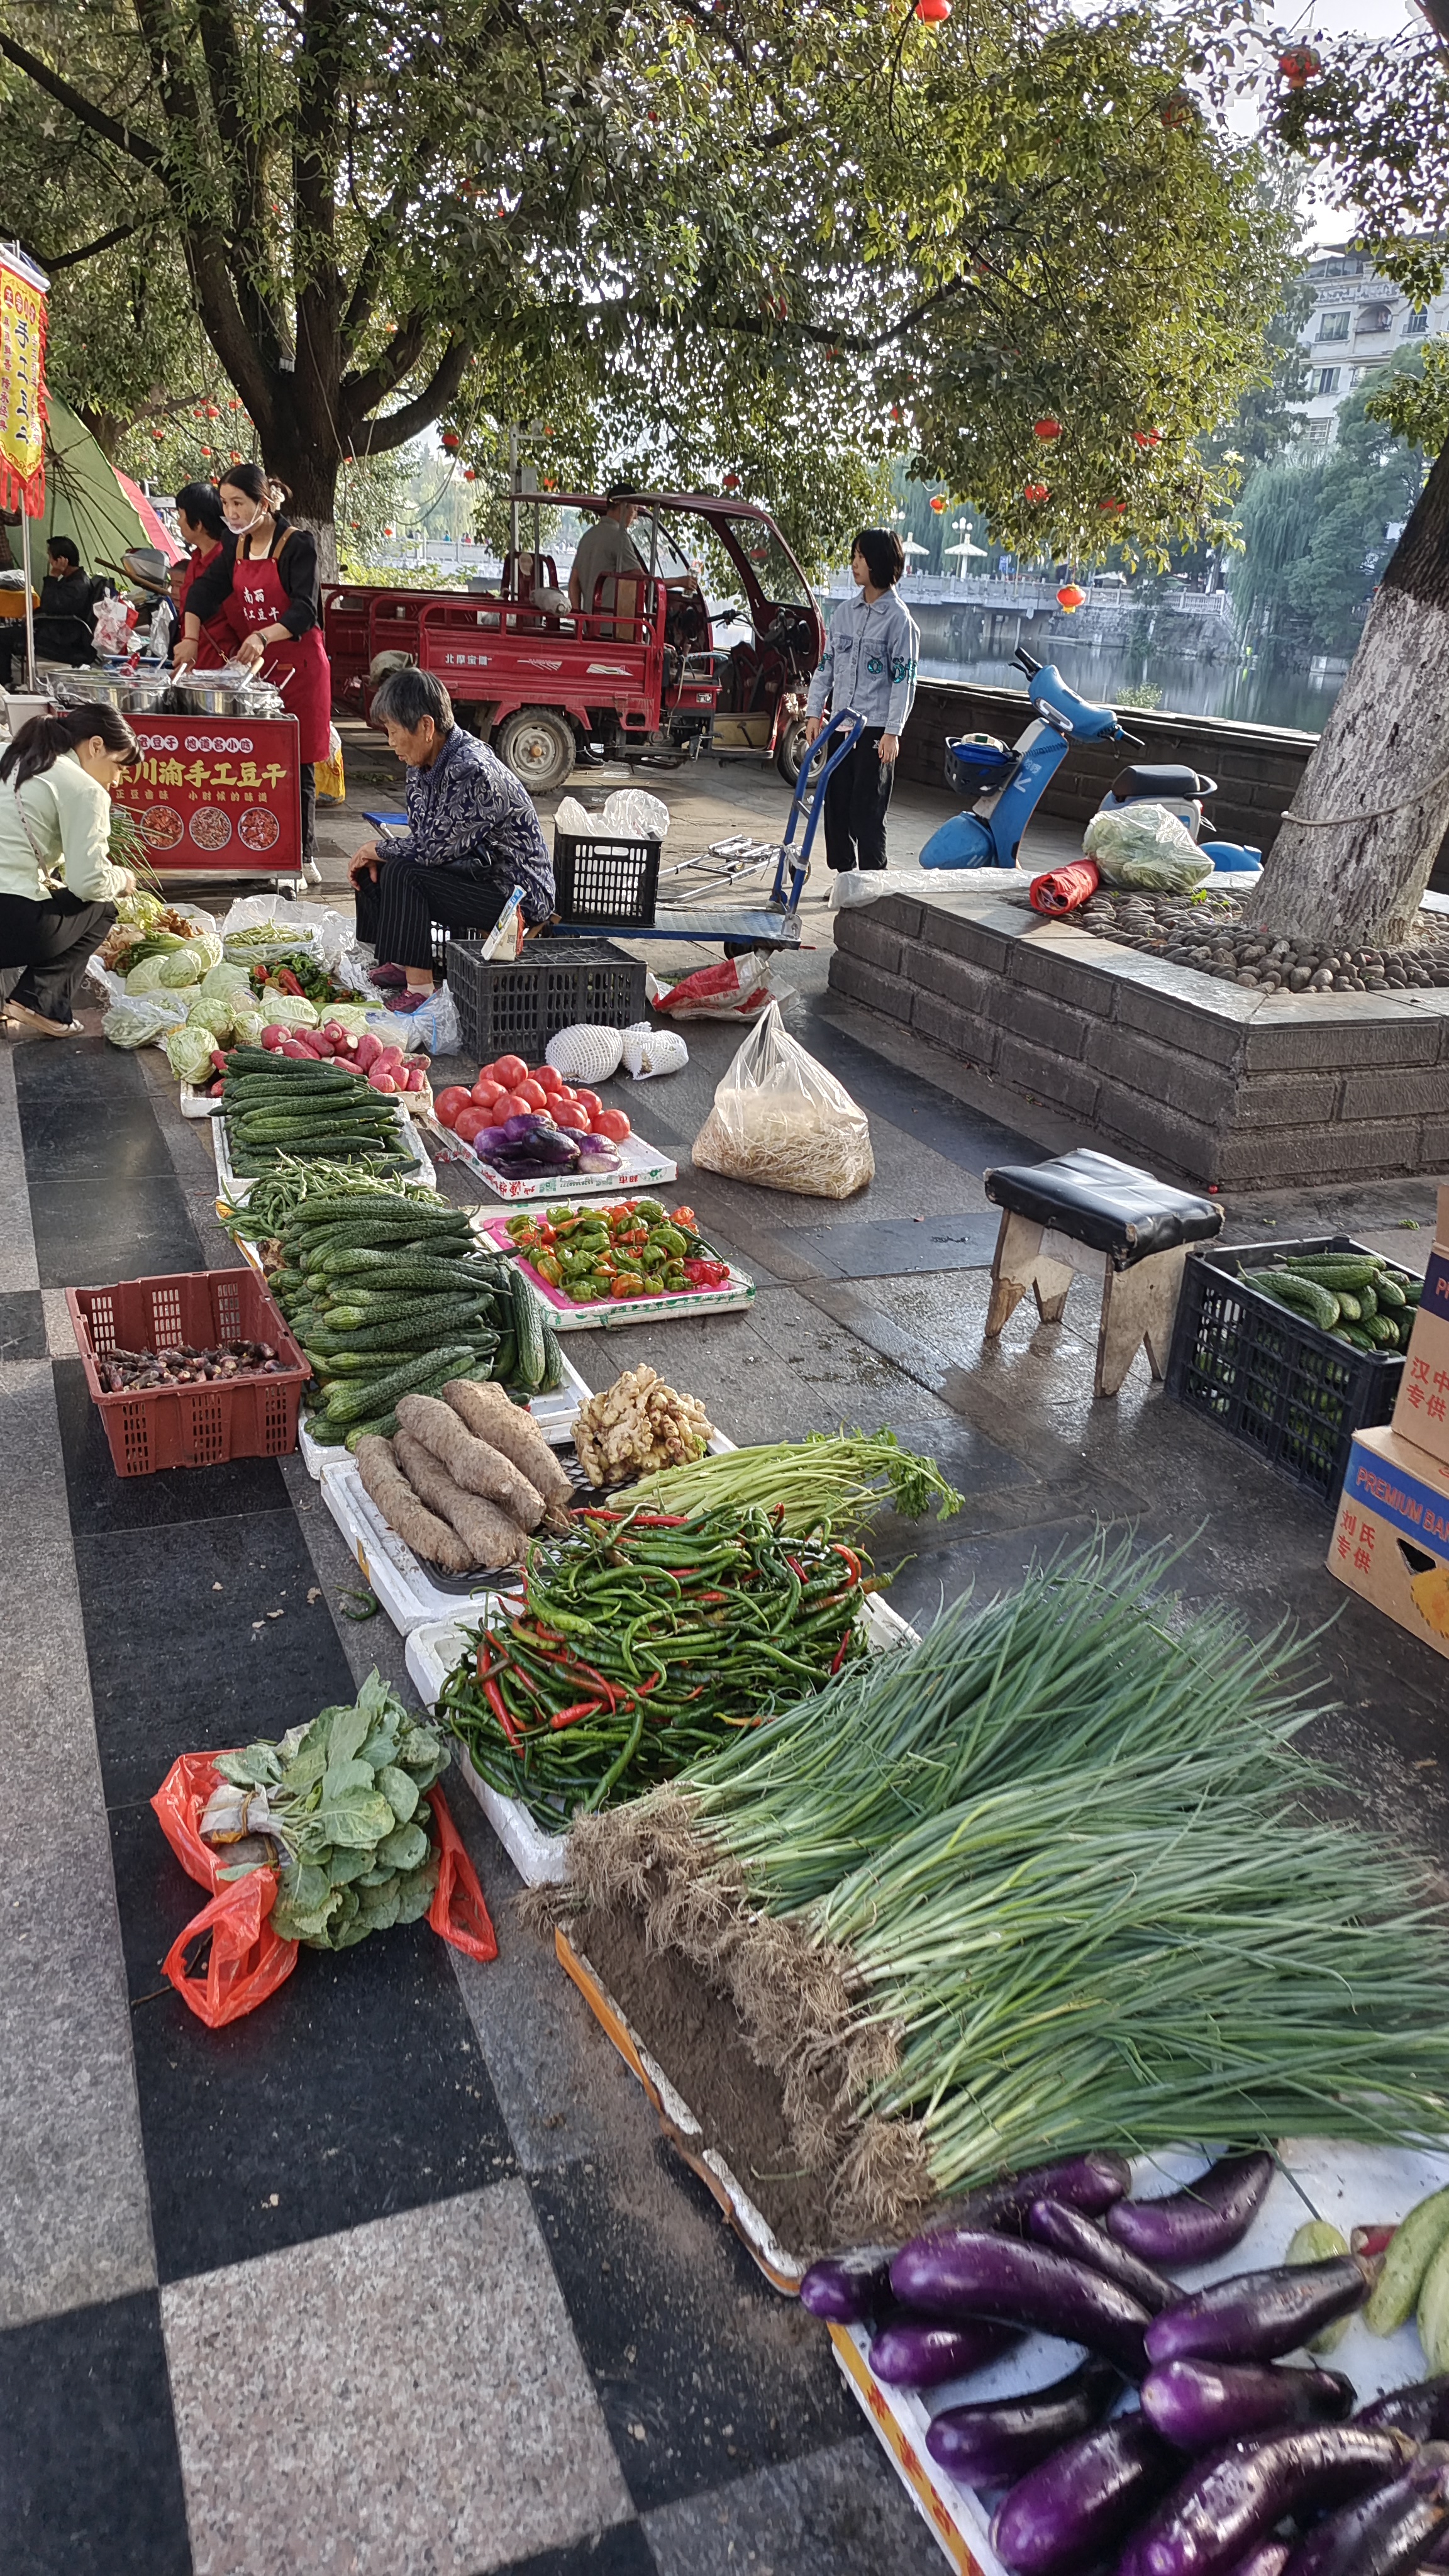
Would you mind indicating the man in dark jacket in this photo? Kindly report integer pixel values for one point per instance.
(63, 628)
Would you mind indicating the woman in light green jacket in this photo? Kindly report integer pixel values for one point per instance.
(57, 885)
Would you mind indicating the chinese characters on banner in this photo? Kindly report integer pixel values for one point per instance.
(22, 385)
(215, 794)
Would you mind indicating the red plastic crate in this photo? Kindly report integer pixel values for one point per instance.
(189, 1426)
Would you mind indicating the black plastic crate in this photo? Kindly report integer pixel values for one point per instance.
(514, 1007)
(1268, 1377)
(605, 881)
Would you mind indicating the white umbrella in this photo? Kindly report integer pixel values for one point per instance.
(967, 548)
(910, 547)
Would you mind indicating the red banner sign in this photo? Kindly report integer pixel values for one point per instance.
(217, 793)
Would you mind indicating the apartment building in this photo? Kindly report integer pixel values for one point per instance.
(1357, 326)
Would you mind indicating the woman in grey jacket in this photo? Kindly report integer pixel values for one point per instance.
(869, 667)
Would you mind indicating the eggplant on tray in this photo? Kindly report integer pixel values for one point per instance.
(530, 1147)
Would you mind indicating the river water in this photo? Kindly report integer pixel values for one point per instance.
(1254, 692)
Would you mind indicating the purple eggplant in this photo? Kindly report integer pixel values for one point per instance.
(962, 2273)
(1198, 2404)
(924, 2352)
(1229, 2503)
(1256, 2316)
(596, 1154)
(527, 1122)
(1207, 2218)
(990, 2443)
(1070, 2231)
(1382, 2534)
(1089, 2182)
(1421, 2410)
(848, 2287)
(1083, 2500)
(1270, 2560)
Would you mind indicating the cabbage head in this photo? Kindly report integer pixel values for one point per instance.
(146, 978)
(248, 1024)
(227, 980)
(183, 966)
(288, 1011)
(354, 1017)
(210, 1011)
(188, 1052)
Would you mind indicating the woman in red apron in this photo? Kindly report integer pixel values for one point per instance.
(198, 513)
(269, 582)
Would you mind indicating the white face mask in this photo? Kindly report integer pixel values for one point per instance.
(261, 512)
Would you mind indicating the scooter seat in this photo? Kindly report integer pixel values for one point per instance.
(1162, 780)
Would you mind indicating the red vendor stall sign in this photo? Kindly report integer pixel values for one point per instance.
(217, 793)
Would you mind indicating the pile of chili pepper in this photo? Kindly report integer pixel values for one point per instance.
(641, 1640)
(628, 1249)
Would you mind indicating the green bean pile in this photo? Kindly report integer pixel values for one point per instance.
(642, 1639)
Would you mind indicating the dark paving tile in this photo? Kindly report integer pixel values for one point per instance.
(887, 1247)
(842, 2512)
(703, 2371)
(90, 2481)
(624, 2551)
(90, 1233)
(66, 1140)
(184, 1652)
(357, 2089)
(22, 1325)
(101, 1500)
(84, 1072)
(965, 1136)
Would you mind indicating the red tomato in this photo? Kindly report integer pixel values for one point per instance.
(613, 1124)
(591, 1101)
(485, 1094)
(550, 1077)
(449, 1102)
(470, 1122)
(510, 1070)
(509, 1105)
(571, 1113)
(531, 1093)
(488, 1073)
(567, 1093)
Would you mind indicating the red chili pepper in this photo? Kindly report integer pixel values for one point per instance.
(851, 1559)
(840, 1652)
(579, 1708)
(494, 1697)
(704, 1596)
(288, 983)
(655, 1520)
(796, 1567)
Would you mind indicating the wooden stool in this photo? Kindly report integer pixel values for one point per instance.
(1087, 1215)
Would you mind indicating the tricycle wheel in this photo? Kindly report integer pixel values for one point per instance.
(537, 744)
(790, 751)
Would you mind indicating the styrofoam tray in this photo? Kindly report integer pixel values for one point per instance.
(401, 1581)
(1352, 2186)
(565, 1316)
(638, 1163)
(238, 1192)
(432, 1651)
(198, 1103)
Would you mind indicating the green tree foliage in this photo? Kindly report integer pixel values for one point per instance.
(1315, 533)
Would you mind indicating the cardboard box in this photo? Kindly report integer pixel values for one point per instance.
(1390, 1541)
(1421, 1410)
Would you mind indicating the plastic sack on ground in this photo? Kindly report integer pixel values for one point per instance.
(331, 775)
(635, 815)
(243, 1960)
(457, 1913)
(1146, 846)
(1064, 889)
(780, 1120)
(738, 988)
(142, 1019)
(297, 925)
(432, 1029)
(574, 819)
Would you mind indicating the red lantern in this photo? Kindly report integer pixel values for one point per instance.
(211, 412)
(732, 482)
(938, 502)
(452, 441)
(1036, 492)
(387, 532)
(1299, 64)
(1046, 430)
(1114, 509)
(206, 451)
(468, 474)
(1070, 597)
(1147, 438)
(159, 435)
(233, 405)
(1178, 109)
(198, 413)
(895, 411)
(933, 13)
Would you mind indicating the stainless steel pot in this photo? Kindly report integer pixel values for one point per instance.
(94, 688)
(144, 696)
(198, 700)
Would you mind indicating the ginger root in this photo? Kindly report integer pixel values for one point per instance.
(637, 1427)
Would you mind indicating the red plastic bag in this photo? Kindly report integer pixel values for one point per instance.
(228, 1959)
(180, 1803)
(458, 1913)
(1064, 889)
(735, 989)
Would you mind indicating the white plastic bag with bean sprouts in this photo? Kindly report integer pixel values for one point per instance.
(780, 1120)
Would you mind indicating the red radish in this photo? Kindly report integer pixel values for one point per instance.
(299, 1054)
(510, 1070)
(470, 1123)
(218, 1059)
(335, 1034)
(571, 1113)
(531, 1093)
(391, 1055)
(417, 1075)
(484, 1094)
(591, 1102)
(450, 1104)
(215, 1091)
(272, 1035)
(612, 1123)
(383, 1082)
(369, 1049)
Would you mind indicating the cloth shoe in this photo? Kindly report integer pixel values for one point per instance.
(392, 978)
(32, 1019)
(407, 1003)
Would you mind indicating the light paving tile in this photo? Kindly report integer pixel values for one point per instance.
(18, 1267)
(840, 2512)
(74, 2214)
(406, 2399)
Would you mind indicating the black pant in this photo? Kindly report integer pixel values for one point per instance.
(307, 780)
(45, 948)
(396, 915)
(856, 799)
(57, 639)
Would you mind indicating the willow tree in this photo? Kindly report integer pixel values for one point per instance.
(1354, 854)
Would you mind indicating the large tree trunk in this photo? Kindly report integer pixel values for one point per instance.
(1350, 866)
(310, 475)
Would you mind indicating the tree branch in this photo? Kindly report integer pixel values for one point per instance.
(360, 394)
(376, 437)
(135, 146)
(108, 241)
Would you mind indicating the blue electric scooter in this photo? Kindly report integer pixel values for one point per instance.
(1005, 783)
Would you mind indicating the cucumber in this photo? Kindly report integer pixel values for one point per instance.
(1303, 1297)
(528, 1326)
(364, 1363)
(1349, 1307)
(1389, 1293)
(1355, 1336)
(1383, 1331)
(385, 1424)
(373, 1286)
(405, 1309)
(1317, 2241)
(376, 1395)
(409, 1332)
(505, 1359)
(1412, 2248)
(1337, 1270)
(553, 1375)
(1432, 2315)
(1369, 1304)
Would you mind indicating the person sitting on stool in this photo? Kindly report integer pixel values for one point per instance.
(55, 809)
(472, 838)
(63, 628)
(869, 669)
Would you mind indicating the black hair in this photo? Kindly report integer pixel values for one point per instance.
(885, 556)
(201, 504)
(39, 744)
(407, 696)
(65, 547)
(257, 484)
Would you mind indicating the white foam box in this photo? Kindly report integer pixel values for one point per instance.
(1390, 1540)
(640, 1166)
(1349, 2185)
(237, 1192)
(737, 1292)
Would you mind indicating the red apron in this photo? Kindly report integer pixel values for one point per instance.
(300, 667)
(219, 637)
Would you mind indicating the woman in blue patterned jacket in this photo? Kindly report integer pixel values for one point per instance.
(869, 667)
(473, 837)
